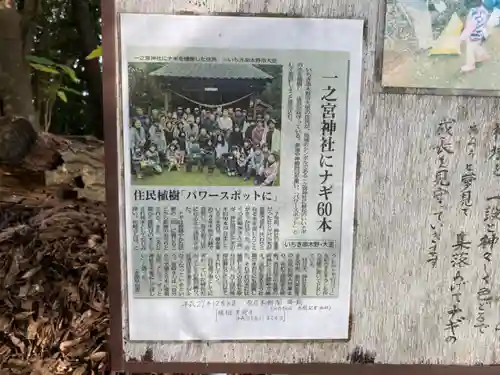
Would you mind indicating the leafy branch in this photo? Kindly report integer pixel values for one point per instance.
(54, 78)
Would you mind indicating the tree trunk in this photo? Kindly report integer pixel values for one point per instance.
(71, 167)
(85, 25)
(33, 163)
(15, 83)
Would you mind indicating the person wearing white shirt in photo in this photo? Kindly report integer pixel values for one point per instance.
(272, 137)
(225, 122)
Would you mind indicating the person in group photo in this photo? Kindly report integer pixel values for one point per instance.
(474, 35)
(157, 137)
(258, 133)
(137, 159)
(181, 141)
(137, 135)
(254, 162)
(235, 137)
(173, 158)
(208, 155)
(148, 161)
(212, 140)
(268, 173)
(232, 163)
(193, 153)
(221, 146)
(272, 137)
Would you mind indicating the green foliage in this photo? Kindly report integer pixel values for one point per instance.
(52, 79)
(144, 92)
(62, 96)
(57, 39)
(95, 53)
(272, 94)
(43, 64)
(44, 68)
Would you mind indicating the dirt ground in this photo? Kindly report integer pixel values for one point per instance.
(420, 70)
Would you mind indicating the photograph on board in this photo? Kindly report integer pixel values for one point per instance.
(442, 44)
(205, 123)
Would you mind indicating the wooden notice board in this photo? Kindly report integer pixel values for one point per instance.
(424, 291)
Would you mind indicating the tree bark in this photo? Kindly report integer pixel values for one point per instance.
(29, 10)
(72, 166)
(85, 25)
(15, 82)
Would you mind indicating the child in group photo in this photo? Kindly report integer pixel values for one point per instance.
(146, 162)
(173, 158)
(474, 35)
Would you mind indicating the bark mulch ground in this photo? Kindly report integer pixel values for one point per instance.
(54, 315)
(54, 310)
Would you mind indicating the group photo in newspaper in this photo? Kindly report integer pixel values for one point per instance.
(226, 131)
(227, 163)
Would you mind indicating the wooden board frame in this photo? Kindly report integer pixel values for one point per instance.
(359, 365)
(379, 61)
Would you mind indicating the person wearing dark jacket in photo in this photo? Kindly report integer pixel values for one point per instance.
(235, 138)
(137, 159)
(208, 155)
(170, 130)
(232, 162)
(247, 147)
(181, 141)
(249, 130)
(209, 122)
(238, 118)
(193, 153)
(203, 137)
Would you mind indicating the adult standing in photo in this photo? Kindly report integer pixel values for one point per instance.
(272, 137)
(258, 133)
(225, 122)
(157, 137)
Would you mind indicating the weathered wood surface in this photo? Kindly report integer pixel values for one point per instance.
(57, 166)
(399, 302)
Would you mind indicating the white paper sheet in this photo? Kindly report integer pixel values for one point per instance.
(212, 256)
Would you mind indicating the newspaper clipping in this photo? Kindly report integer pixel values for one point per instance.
(235, 168)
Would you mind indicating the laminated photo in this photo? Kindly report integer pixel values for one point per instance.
(449, 45)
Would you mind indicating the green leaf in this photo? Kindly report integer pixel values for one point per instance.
(95, 53)
(43, 68)
(51, 90)
(62, 96)
(39, 60)
(70, 72)
(69, 89)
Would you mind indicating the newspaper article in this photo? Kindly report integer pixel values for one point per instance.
(235, 176)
